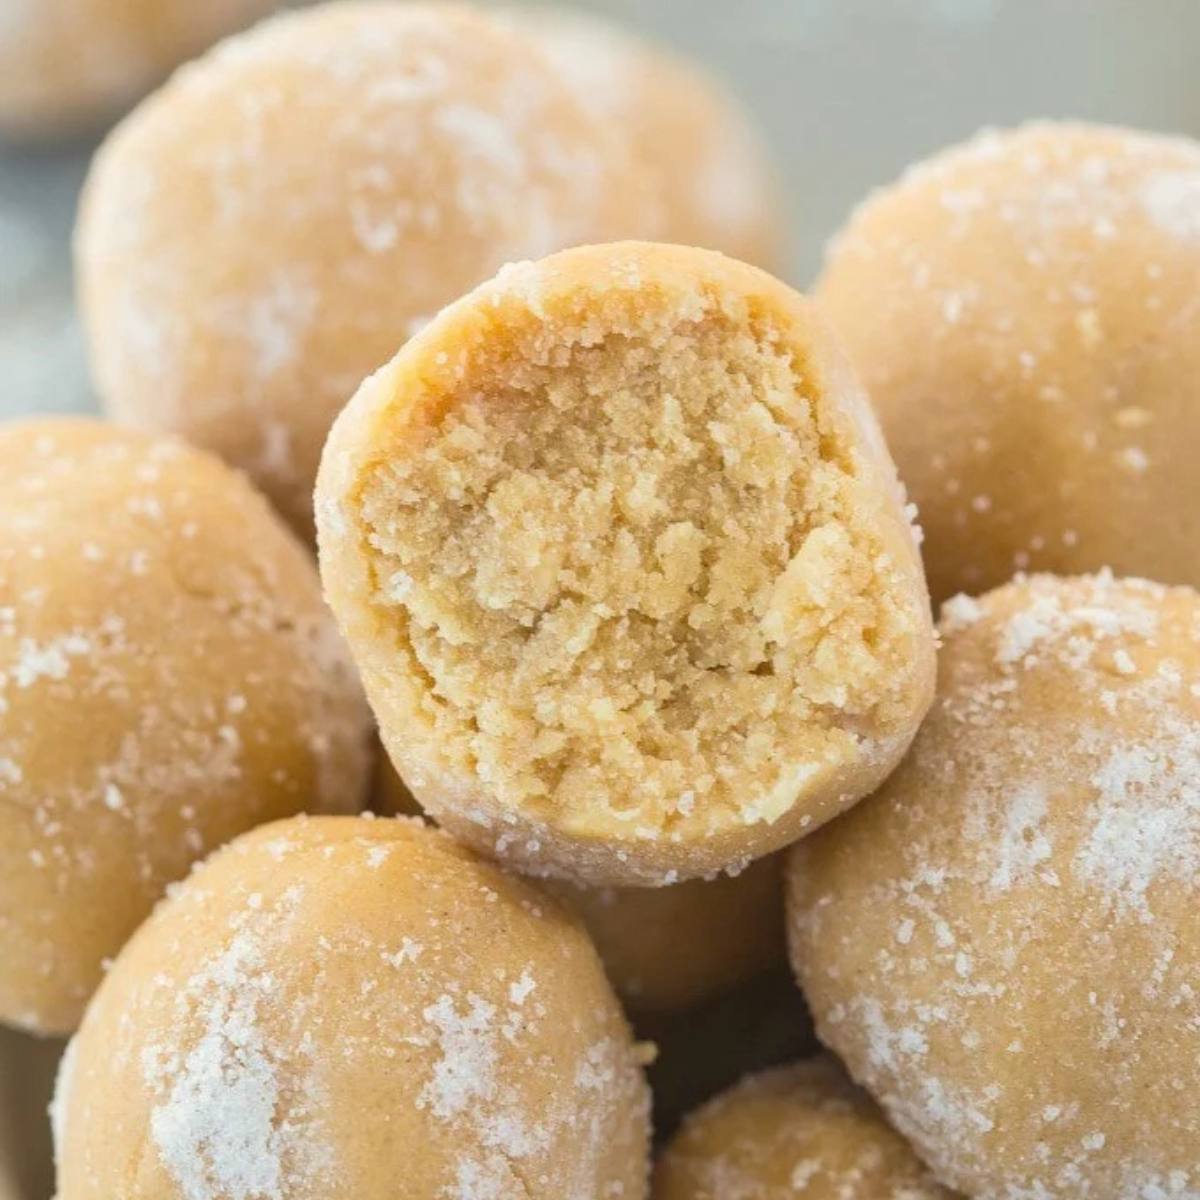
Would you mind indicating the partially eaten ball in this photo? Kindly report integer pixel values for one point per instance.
(626, 567)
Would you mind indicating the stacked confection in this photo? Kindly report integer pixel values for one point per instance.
(617, 568)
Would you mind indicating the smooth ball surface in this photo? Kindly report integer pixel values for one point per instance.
(626, 568)
(333, 1005)
(1022, 312)
(671, 948)
(268, 228)
(66, 65)
(1002, 942)
(169, 677)
(803, 1132)
(712, 182)
(667, 948)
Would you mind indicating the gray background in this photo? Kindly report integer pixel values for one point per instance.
(848, 91)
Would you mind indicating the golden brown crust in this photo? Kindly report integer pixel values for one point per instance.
(1001, 943)
(803, 1131)
(1022, 311)
(330, 1005)
(802, 457)
(169, 677)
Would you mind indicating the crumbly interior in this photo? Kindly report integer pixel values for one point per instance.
(632, 569)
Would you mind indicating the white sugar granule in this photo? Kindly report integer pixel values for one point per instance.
(466, 1070)
(1022, 844)
(1144, 824)
(219, 1129)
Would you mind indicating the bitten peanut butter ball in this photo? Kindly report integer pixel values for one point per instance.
(1002, 942)
(169, 677)
(712, 182)
(67, 65)
(1022, 311)
(803, 1132)
(267, 229)
(626, 568)
(347, 1009)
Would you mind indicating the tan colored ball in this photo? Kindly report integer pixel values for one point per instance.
(1022, 310)
(267, 229)
(671, 948)
(346, 1009)
(666, 948)
(1002, 943)
(625, 565)
(169, 677)
(67, 65)
(713, 183)
(803, 1132)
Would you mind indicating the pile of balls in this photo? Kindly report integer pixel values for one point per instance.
(616, 565)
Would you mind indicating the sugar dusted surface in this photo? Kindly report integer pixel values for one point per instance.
(1052, 270)
(304, 1021)
(1001, 943)
(795, 1133)
(126, 753)
(414, 149)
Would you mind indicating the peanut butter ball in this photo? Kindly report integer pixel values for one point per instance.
(351, 1009)
(169, 677)
(268, 228)
(1022, 313)
(626, 568)
(1001, 943)
(803, 1132)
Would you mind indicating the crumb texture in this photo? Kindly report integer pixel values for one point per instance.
(795, 1133)
(300, 1022)
(635, 560)
(1001, 942)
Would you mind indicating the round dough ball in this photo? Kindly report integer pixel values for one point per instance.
(1022, 312)
(666, 948)
(333, 1005)
(1002, 943)
(671, 948)
(689, 135)
(268, 229)
(169, 677)
(66, 65)
(799, 1131)
(624, 563)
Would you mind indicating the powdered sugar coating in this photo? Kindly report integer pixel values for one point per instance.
(794, 1133)
(168, 678)
(301, 1020)
(1052, 271)
(272, 225)
(1001, 942)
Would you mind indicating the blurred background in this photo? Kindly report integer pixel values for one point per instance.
(846, 91)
